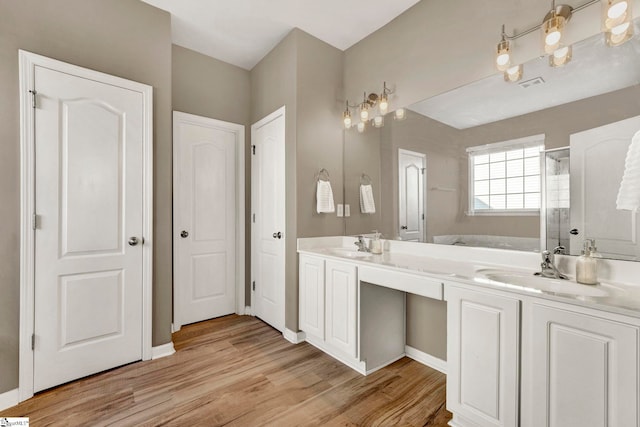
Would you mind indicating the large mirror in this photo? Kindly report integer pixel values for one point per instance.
(477, 165)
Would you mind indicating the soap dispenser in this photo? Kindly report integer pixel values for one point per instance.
(376, 243)
(587, 265)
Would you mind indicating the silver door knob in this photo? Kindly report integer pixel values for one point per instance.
(184, 234)
(133, 241)
(277, 235)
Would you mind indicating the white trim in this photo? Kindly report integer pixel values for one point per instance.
(426, 359)
(238, 129)
(527, 141)
(247, 311)
(294, 337)
(163, 350)
(9, 399)
(28, 61)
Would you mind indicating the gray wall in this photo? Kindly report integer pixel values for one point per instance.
(305, 75)
(208, 87)
(126, 38)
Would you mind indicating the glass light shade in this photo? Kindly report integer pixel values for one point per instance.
(378, 121)
(383, 106)
(503, 55)
(560, 56)
(361, 127)
(346, 118)
(364, 112)
(513, 74)
(400, 114)
(619, 34)
(615, 12)
(552, 33)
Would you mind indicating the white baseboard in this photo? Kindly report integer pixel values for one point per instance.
(294, 337)
(163, 350)
(247, 311)
(175, 328)
(8, 399)
(426, 359)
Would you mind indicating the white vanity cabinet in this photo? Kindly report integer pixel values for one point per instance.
(311, 296)
(341, 295)
(580, 367)
(482, 356)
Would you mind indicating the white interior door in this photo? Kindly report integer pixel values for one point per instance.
(602, 151)
(268, 207)
(411, 181)
(89, 158)
(205, 240)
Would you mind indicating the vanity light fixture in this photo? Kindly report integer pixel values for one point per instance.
(400, 114)
(617, 26)
(372, 108)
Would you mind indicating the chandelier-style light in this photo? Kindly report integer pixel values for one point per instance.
(371, 110)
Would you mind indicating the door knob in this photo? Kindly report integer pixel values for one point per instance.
(277, 235)
(133, 241)
(184, 234)
(403, 227)
(574, 231)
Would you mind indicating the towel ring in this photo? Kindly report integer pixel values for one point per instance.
(365, 179)
(322, 175)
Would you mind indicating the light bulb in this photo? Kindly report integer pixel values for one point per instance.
(617, 10)
(503, 55)
(364, 112)
(620, 29)
(400, 114)
(560, 56)
(553, 38)
(346, 118)
(619, 34)
(552, 30)
(361, 127)
(513, 74)
(378, 121)
(383, 106)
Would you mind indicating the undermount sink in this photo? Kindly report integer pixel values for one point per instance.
(558, 286)
(349, 253)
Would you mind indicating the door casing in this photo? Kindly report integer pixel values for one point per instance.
(28, 61)
(240, 204)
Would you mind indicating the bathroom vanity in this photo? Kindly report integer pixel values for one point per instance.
(521, 350)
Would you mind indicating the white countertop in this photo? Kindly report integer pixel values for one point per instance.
(465, 265)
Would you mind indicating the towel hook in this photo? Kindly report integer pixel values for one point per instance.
(365, 179)
(322, 175)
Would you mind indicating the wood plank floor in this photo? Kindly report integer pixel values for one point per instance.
(238, 371)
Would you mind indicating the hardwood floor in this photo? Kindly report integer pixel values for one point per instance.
(238, 371)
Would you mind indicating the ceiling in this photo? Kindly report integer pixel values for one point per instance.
(242, 32)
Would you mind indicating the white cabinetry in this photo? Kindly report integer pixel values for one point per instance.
(581, 368)
(483, 359)
(341, 304)
(312, 296)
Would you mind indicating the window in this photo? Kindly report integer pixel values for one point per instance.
(504, 178)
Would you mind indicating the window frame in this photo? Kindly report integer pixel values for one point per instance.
(503, 146)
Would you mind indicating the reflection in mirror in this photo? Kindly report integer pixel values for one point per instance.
(600, 86)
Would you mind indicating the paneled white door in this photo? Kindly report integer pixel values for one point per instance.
(411, 168)
(593, 195)
(89, 238)
(268, 207)
(204, 229)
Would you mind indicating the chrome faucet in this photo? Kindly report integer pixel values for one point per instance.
(547, 267)
(362, 245)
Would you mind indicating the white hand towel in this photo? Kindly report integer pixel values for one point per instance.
(629, 193)
(324, 196)
(367, 204)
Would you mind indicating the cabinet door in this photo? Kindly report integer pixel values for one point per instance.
(483, 359)
(583, 370)
(311, 272)
(341, 293)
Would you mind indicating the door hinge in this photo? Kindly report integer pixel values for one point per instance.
(253, 149)
(33, 98)
(253, 286)
(34, 221)
(422, 170)
(254, 218)
(423, 216)
(33, 341)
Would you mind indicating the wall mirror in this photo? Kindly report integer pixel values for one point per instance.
(425, 190)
